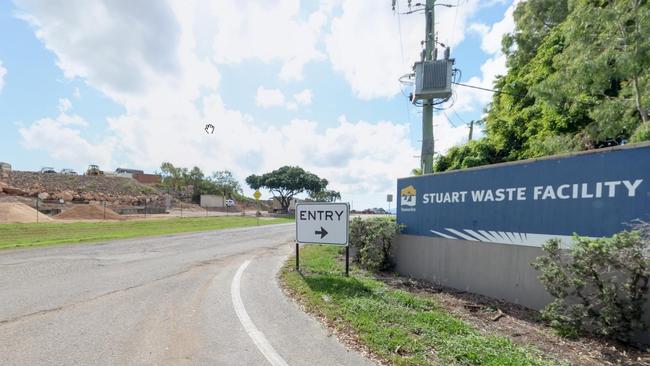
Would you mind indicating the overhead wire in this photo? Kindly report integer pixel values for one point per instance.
(458, 116)
(448, 119)
(453, 28)
(401, 48)
(487, 89)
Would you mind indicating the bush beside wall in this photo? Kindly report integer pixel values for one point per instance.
(372, 240)
(600, 285)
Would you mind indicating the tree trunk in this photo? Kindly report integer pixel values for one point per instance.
(285, 202)
(637, 99)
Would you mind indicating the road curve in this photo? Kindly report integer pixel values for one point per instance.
(167, 300)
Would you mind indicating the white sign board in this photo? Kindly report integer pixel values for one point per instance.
(322, 223)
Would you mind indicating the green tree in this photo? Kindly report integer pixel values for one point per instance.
(325, 195)
(286, 182)
(226, 184)
(416, 171)
(173, 178)
(578, 78)
(605, 62)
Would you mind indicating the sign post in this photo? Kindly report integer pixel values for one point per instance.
(257, 196)
(389, 199)
(322, 223)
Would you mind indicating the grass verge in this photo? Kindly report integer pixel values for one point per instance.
(51, 233)
(399, 327)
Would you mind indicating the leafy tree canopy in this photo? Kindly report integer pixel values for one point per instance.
(286, 182)
(226, 184)
(179, 181)
(578, 78)
(325, 195)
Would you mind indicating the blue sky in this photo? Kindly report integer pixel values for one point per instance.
(309, 83)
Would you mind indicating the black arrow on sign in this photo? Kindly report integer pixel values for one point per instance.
(322, 232)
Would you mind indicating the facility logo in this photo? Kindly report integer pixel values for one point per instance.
(407, 195)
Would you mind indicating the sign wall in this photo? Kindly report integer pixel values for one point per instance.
(592, 194)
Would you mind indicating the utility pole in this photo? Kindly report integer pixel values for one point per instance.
(426, 157)
(471, 129)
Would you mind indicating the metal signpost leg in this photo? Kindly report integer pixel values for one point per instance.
(297, 257)
(347, 260)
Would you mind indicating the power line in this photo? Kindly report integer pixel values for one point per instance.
(457, 116)
(448, 119)
(399, 30)
(401, 48)
(453, 28)
(486, 89)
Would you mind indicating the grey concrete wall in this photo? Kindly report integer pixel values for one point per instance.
(500, 271)
(209, 200)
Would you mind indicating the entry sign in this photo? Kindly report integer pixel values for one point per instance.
(322, 223)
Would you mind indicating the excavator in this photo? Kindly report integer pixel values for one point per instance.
(94, 170)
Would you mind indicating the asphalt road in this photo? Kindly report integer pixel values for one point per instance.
(191, 299)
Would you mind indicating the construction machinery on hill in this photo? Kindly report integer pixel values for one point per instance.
(94, 170)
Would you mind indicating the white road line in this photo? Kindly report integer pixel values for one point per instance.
(258, 337)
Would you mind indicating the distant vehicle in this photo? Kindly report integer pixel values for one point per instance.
(230, 203)
(68, 172)
(129, 171)
(48, 170)
(94, 170)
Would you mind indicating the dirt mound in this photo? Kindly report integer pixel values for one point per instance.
(19, 212)
(116, 190)
(88, 212)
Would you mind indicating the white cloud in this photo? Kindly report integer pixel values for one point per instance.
(266, 98)
(131, 52)
(64, 105)
(491, 35)
(3, 72)
(292, 106)
(268, 31)
(364, 43)
(98, 41)
(304, 97)
(494, 66)
(76, 93)
(269, 97)
(61, 138)
(168, 101)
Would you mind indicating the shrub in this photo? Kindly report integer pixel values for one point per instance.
(642, 133)
(372, 239)
(600, 285)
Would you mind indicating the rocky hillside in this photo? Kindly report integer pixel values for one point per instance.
(115, 190)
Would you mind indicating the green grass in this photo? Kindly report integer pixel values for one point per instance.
(39, 234)
(398, 326)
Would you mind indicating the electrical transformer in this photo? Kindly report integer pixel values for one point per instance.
(433, 79)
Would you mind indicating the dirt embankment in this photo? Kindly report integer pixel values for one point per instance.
(16, 212)
(89, 212)
(116, 191)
